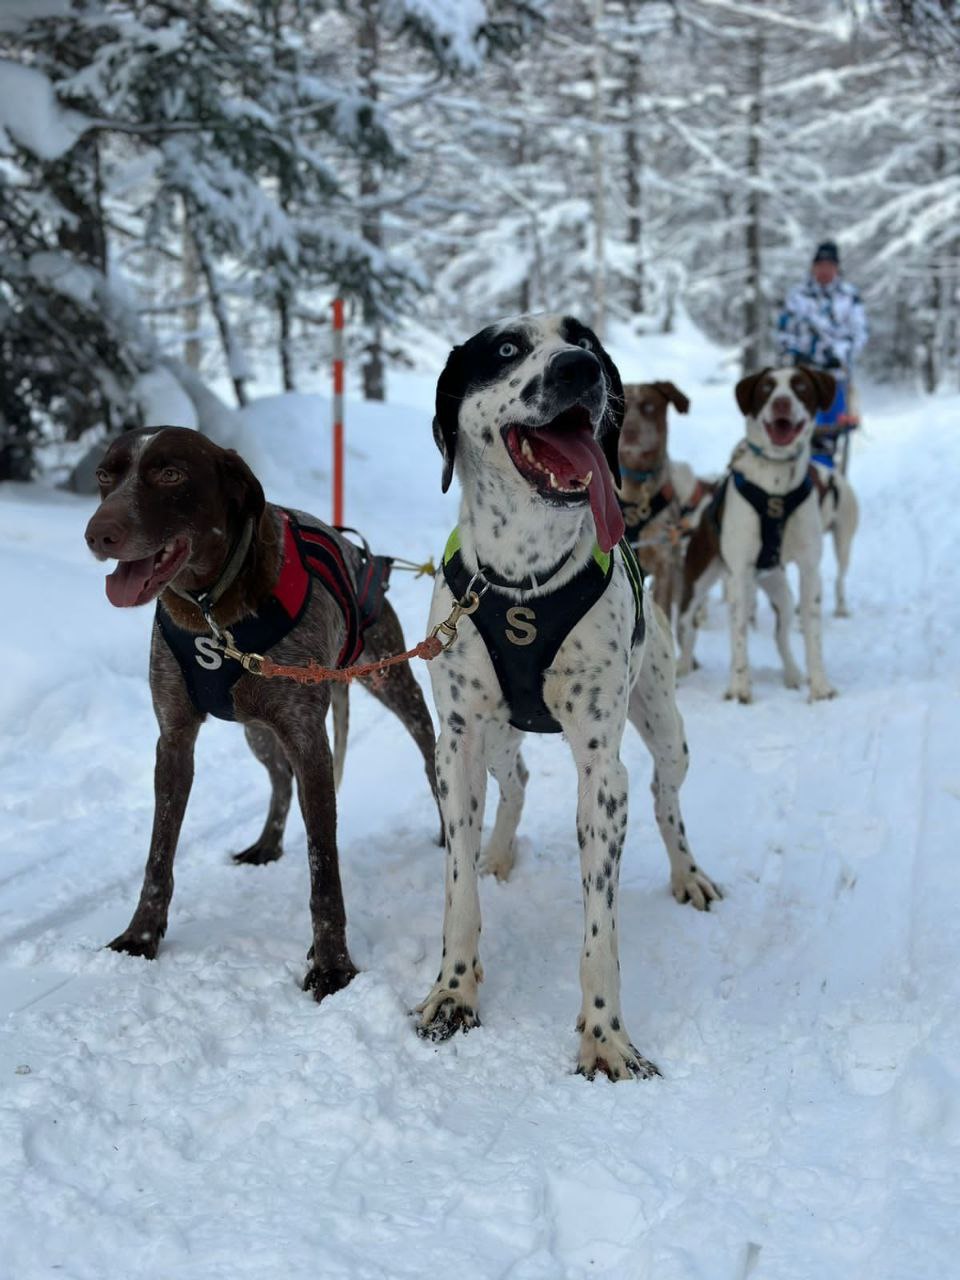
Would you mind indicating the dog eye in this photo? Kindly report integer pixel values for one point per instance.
(508, 350)
(171, 475)
(103, 477)
(585, 343)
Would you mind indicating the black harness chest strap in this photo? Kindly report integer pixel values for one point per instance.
(523, 637)
(637, 515)
(311, 553)
(774, 510)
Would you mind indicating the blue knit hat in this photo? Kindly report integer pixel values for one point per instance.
(827, 252)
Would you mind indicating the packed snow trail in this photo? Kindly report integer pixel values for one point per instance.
(199, 1116)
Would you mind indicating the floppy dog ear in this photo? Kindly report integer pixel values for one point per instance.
(613, 414)
(241, 486)
(825, 385)
(446, 420)
(676, 397)
(746, 388)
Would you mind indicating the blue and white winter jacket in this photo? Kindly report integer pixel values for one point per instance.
(822, 324)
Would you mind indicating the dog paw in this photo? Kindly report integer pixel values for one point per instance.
(684, 668)
(324, 982)
(139, 941)
(821, 689)
(696, 888)
(613, 1056)
(841, 611)
(498, 861)
(444, 1012)
(258, 855)
(739, 691)
(792, 677)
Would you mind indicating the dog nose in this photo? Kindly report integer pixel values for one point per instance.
(576, 369)
(105, 535)
(782, 406)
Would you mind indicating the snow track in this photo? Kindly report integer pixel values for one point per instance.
(201, 1117)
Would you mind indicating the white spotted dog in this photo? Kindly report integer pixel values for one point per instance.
(765, 515)
(563, 638)
(839, 515)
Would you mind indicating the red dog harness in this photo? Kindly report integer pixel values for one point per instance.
(310, 553)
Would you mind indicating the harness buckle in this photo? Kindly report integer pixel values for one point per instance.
(461, 609)
(252, 662)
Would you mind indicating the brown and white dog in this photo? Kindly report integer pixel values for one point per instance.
(662, 500)
(765, 514)
(839, 515)
(188, 525)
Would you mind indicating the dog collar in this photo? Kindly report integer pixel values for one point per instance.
(488, 578)
(638, 477)
(755, 448)
(207, 599)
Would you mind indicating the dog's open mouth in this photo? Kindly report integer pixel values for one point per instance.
(139, 581)
(783, 430)
(563, 461)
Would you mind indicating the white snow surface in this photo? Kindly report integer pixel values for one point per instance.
(199, 1116)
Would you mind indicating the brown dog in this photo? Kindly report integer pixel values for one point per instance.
(188, 523)
(661, 500)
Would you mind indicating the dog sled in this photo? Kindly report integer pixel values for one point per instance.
(834, 426)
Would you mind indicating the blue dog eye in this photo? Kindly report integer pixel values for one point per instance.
(508, 350)
(585, 343)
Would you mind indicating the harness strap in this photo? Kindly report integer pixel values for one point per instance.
(207, 599)
(523, 636)
(774, 511)
(642, 512)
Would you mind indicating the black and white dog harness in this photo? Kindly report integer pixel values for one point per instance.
(774, 510)
(523, 638)
(310, 554)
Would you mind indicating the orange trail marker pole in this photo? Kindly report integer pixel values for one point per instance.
(338, 411)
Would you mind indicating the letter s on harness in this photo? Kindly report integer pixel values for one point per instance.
(521, 629)
(207, 655)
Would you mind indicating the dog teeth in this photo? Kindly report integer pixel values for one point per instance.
(526, 450)
(586, 479)
(553, 481)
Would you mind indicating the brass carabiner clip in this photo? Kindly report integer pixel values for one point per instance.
(446, 631)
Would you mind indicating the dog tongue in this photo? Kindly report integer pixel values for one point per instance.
(570, 455)
(125, 585)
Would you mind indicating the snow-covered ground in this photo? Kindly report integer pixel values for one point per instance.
(201, 1117)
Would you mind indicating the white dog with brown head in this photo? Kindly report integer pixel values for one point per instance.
(766, 516)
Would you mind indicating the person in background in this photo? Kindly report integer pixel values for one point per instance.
(823, 324)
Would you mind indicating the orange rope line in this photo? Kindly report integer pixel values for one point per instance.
(313, 673)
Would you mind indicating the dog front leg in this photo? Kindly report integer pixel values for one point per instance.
(172, 780)
(601, 825)
(740, 596)
(309, 753)
(777, 591)
(810, 621)
(461, 780)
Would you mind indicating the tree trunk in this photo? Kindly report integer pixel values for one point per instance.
(286, 352)
(753, 305)
(599, 192)
(373, 370)
(190, 286)
(634, 177)
(231, 347)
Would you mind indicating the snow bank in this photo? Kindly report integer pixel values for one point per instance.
(202, 1116)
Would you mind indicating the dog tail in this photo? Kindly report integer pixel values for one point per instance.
(340, 704)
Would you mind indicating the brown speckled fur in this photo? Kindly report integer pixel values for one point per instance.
(284, 722)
